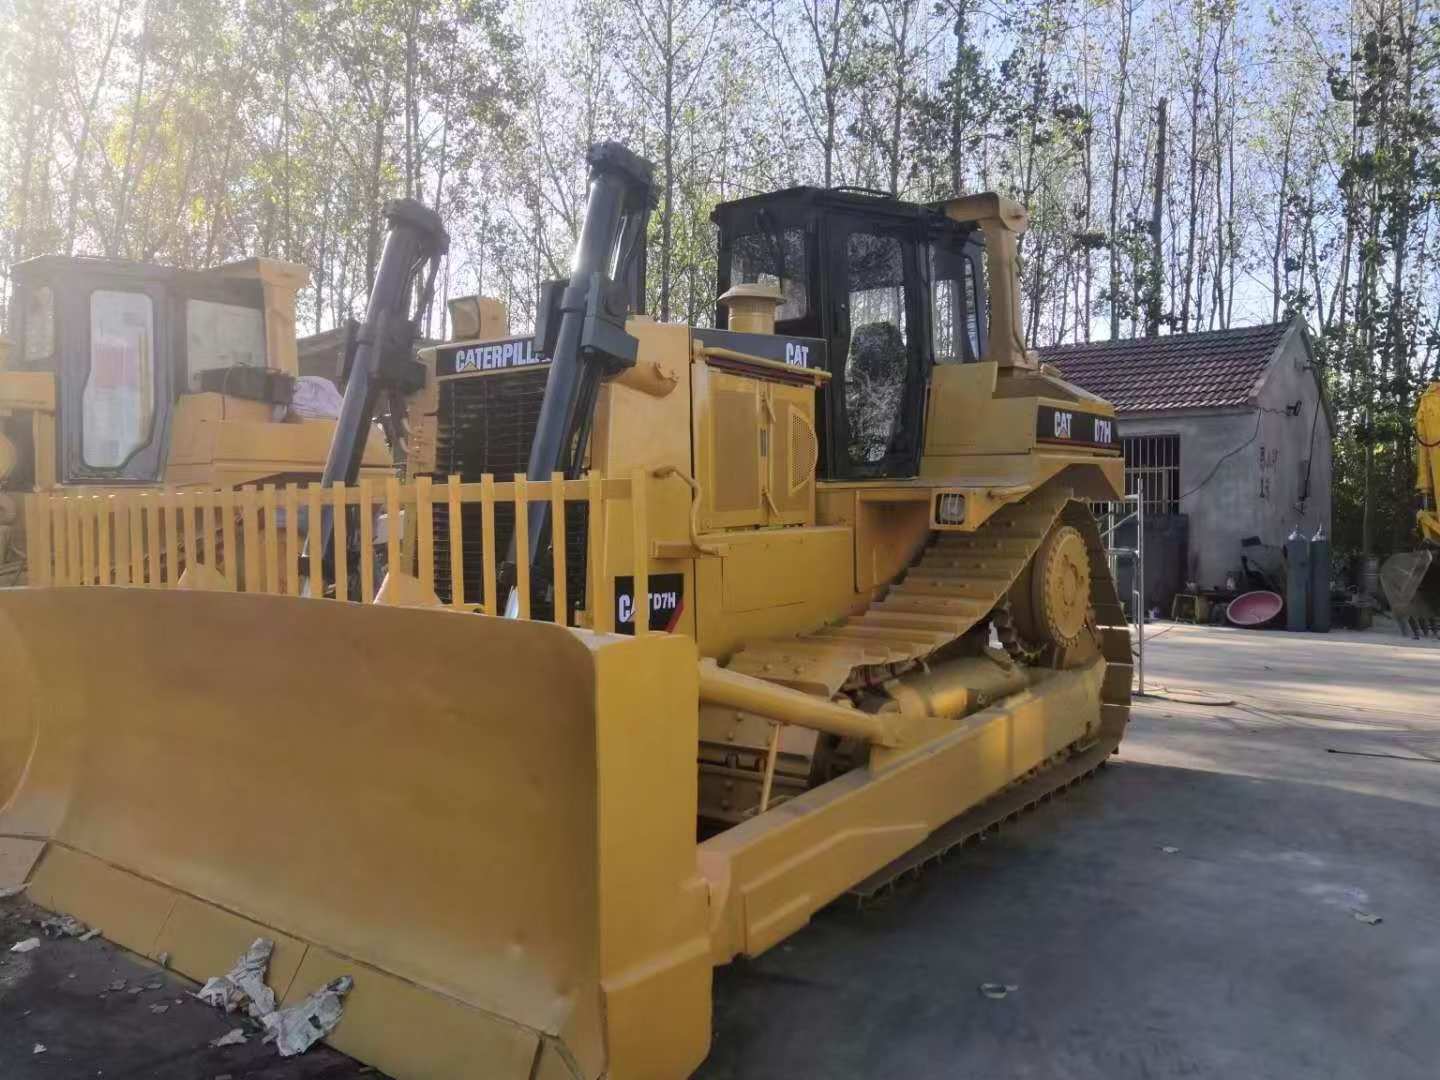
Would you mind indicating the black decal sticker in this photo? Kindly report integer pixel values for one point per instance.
(492, 356)
(1071, 427)
(667, 601)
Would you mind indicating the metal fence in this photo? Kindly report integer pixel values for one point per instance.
(254, 538)
(1112, 517)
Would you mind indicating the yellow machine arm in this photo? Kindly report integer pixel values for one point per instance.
(1427, 461)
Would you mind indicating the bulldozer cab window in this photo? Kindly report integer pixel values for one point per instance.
(774, 257)
(955, 305)
(219, 336)
(39, 325)
(878, 370)
(118, 402)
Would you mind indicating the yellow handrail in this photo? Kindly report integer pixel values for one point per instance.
(253, 538)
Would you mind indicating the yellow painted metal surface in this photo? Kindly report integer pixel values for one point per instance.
(219, 441)
(27, 390)
(1427, 460)
(770, 874)
(506, 864)
(755, 441)
(772, 582)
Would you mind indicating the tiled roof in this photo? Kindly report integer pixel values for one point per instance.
(1214, 369)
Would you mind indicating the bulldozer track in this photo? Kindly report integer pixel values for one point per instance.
(1019, 798)
(957, 582)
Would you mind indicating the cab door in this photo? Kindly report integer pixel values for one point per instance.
(116, 379)
(878, 349)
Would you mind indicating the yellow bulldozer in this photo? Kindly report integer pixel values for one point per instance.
(690, 631)
(129, 377)
(1411, 579)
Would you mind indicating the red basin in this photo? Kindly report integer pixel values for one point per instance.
(1254, 608)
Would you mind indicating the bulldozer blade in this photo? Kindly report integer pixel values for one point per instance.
(490, 824)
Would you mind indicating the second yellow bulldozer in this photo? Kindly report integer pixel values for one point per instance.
(693, 631)
(129, 377)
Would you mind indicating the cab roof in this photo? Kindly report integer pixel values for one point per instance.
(845, 199)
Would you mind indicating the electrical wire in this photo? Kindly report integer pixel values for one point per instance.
(1226, 457)
(1309, 459)
(1259, 415)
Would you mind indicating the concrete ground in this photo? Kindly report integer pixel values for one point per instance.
(1204, 907)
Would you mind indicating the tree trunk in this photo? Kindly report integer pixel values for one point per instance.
(122, 202)
(957, 103)
(82, 147)
(668, 210)
(1219, 309)
(372, 230)
(1126, 14)
(1282, 217)
(411, 109)
(1152, 314)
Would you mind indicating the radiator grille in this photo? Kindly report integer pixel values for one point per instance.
(485, 424)
(737, 429)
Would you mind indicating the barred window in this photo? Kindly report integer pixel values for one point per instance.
(1152, 470)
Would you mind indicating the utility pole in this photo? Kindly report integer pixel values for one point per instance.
(1152, 305)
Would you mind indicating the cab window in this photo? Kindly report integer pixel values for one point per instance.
(955, 306)
(777, 258)
(39, 324)
(222, 336)
(877, 361)
(118, 403)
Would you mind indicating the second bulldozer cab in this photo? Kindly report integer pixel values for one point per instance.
(892, 288)
(121, 344)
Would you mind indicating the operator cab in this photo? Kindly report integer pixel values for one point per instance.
(891, 287)
(125, 340)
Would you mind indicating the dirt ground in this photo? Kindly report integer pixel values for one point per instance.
(1248, 890)
(102, 1012)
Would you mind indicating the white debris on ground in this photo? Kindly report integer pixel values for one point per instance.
(63, 926)
(296, 1029)
(293, 1030)
(28, 945)
(244, 984)
(40, 1048)
(996, 991)
(13, 890)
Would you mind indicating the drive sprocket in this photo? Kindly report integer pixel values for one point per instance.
(1048, 607)
(1061, 586)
